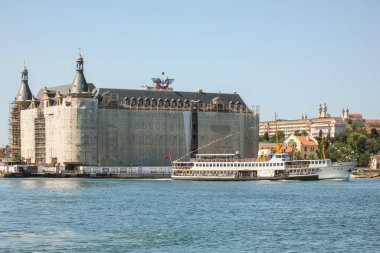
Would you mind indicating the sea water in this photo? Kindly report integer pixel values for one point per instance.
(119, 215)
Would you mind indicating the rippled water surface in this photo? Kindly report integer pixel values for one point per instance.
(114, 215)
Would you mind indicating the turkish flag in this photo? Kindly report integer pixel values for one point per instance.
(167, 156)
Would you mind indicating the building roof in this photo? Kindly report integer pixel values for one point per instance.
(79, 84)
(63, 89)
(204, 97)
(355, 115)
(372, 121)
(306, 141)
(286, 148)
(24, 92)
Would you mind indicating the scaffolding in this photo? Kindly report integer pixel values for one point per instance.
(14, 129)
(39, 137)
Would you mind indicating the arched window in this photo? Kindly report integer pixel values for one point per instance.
(153, 102)
(173, 103)
(139, 102)
(160, 102)
(166, 102)
(180, 103)
(187, 103)
(146, 102)
(133, 101)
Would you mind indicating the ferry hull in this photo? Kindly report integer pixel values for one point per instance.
(224, 178)
(340, 171)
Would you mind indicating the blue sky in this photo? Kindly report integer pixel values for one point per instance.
(285, 56)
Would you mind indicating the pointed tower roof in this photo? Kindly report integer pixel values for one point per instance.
(79, 84)
(24, 92)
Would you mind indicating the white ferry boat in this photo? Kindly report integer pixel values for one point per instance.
(278, 166)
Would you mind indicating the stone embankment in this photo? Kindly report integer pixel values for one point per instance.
(365, 173)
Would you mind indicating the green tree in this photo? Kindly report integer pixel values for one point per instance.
(304, 133)
(374, 133)
(357, 141)
(373, 145)
(363, 158)
(295, 154)
(266, 136)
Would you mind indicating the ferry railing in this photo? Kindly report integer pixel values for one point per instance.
(228, 160)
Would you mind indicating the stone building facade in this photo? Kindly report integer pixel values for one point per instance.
(80, 124)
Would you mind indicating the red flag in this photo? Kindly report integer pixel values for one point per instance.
(167, 156)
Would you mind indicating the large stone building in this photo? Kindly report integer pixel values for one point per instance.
(80, 124)
(323, 123)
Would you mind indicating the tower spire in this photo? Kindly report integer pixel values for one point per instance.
(79, 84)
(24, 92)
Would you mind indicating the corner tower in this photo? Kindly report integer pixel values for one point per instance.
(79, 84)
(24, 93)
(21, 102)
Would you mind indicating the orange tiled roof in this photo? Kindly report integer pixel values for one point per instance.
(267, 145)
(355, 115)
(372, 121)
(286, 148)
(307, 141)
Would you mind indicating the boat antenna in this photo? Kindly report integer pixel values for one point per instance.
(277, 144)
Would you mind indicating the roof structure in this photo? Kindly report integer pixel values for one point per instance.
(63, 89)
(372, 121)
(24, 92)
(79, 84)
(355, 115)
(307, 141)
(203, 97)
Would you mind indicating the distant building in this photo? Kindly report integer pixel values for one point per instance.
(372, 124)
(375, 162)
(307, 145)
(324, 123)
(81, 124)
(353, 117)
